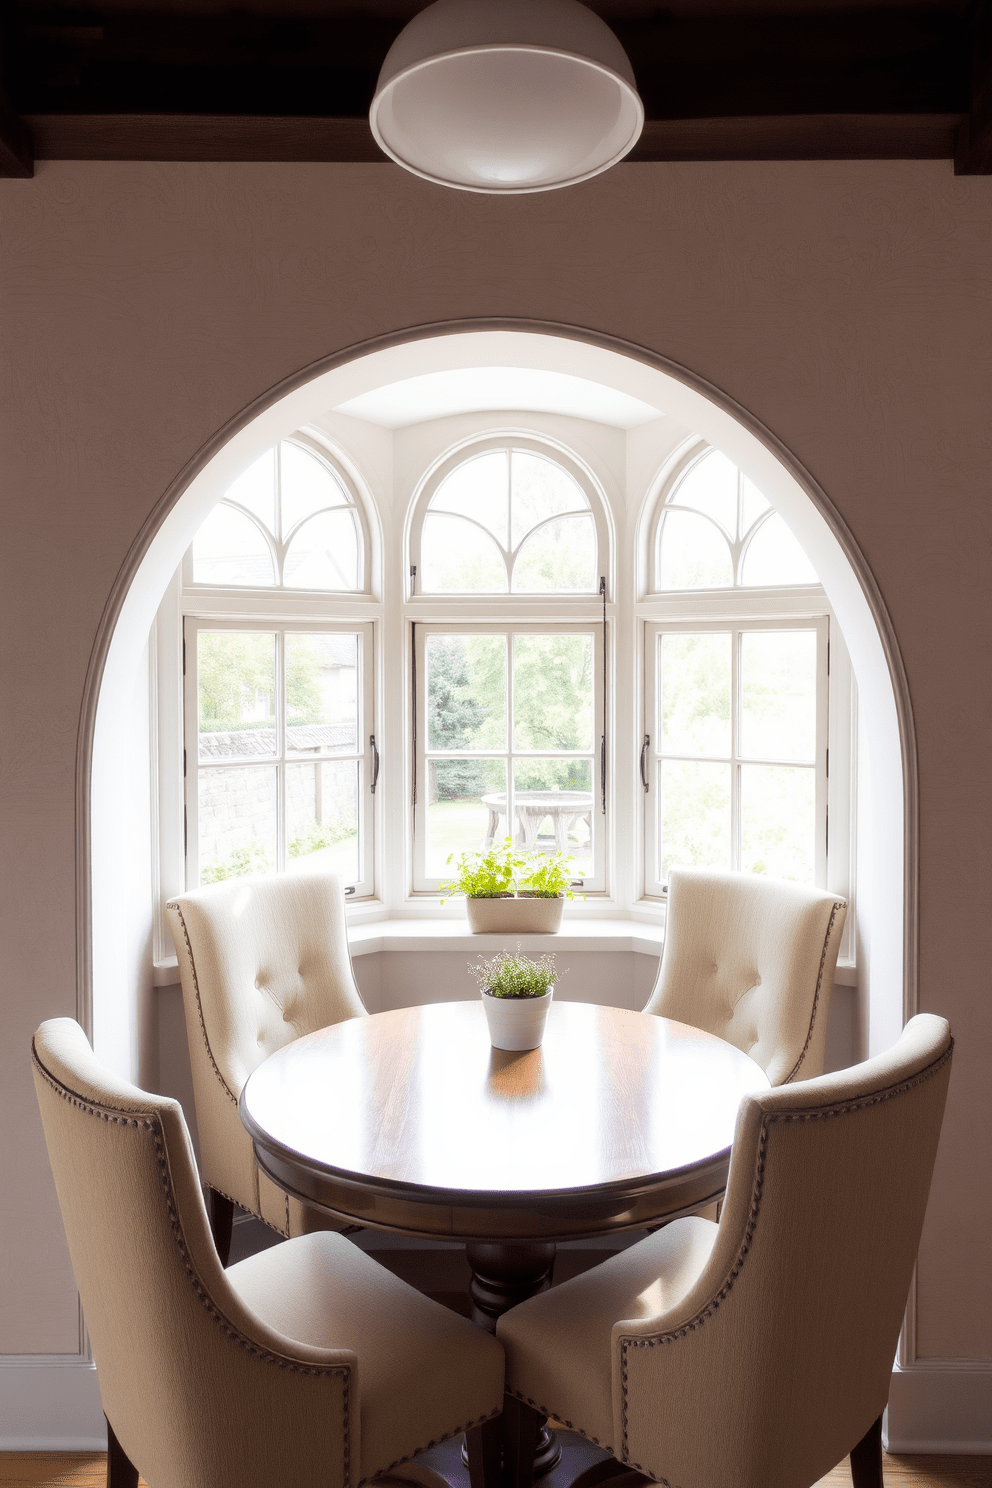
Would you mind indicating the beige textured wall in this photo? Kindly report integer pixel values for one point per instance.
(848, 306)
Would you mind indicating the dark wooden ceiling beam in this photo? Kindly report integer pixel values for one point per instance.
(245, 138)
(973, 156)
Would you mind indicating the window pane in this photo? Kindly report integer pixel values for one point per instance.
(324, 553)
(711, 488)
(307, 486)
(694, 815)
(322, 818)
(478, 489)
(778, 694)
(230, 549)
(321, 694)
(236, 690)
(466, 692)
(236, 811)
(540, 489)
(778, 821)
(693, 554)
(552, 692)
(457, 557)
(774, 557)
(553, 807)
(466, 809)
(560, 558)
(753, 506)
(256, 489)
(694, 691)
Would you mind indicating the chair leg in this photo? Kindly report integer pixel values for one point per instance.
(485, 1453)
(866, 1458)
(520, 1428)
(121, 1471)
(220, 1212)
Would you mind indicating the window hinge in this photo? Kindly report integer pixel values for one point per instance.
(184, 764)
(184, 656)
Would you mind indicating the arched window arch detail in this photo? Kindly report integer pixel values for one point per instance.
(509, 516)
(713, 529)
(291, 521)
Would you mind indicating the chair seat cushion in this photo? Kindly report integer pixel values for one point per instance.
(424, 1373)
(559, 1344)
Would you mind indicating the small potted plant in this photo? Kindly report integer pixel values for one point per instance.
(490, 881)
(516, 994)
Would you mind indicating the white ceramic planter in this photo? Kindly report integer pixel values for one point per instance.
(523, 915)
(517, 1022)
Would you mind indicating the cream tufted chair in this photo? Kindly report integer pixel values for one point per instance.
(757, 1352)
(752, 960)
(262, 961)
(306, 1364)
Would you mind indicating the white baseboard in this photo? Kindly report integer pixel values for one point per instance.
(50, 1403)
(940, 1405)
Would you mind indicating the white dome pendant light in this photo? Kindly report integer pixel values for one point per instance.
(506, 96)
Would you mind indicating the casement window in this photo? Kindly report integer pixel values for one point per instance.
(509, 730)
(745, 759)
(276, 764)
(278, 682)
(509, 552)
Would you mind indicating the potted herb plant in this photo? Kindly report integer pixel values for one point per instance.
(506, 888)
(516, 994)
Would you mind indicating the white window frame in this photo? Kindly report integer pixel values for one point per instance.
(313, 444)
(653, 754)
(364, 755)
(596, 883)
(549, 450)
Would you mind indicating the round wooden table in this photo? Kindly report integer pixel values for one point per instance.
(410, 1121)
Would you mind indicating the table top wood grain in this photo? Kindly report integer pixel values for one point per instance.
(411, 1121)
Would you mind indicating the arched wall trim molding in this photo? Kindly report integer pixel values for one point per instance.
(740, 433)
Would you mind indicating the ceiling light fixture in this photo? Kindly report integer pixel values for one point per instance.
(506, 96)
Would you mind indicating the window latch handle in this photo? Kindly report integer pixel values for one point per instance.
(375, 762)
(644, 750)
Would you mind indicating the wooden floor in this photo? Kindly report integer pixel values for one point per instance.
(89, 1470)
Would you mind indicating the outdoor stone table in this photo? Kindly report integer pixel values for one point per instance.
(532, 807)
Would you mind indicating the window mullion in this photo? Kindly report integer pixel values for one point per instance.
(735, 768)
(282, 792)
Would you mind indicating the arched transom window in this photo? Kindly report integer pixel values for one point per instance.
(717, 531)
(287, 522)
(508, 521)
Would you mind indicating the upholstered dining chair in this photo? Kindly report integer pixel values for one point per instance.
(306, 1364)
(751, 959)
(755, 1353)
(262, 961)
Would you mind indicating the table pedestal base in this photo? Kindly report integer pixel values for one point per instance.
(504, 1273)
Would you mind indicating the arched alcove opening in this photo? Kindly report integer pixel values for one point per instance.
(887, 851)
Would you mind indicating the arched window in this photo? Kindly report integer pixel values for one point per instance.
(717, 531)
(514, 519)
(509, 710)
(278, 689)
(738, 720)
(288, 522)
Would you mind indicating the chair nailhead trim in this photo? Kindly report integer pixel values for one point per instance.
(838, 904)
(546, 1410)
(456, 1431)
(172, 904)
(153, 1125)
(817, 1113)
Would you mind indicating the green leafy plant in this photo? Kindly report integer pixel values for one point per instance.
(510, 974)
(243, 861)
(548, 877)
(487, 875)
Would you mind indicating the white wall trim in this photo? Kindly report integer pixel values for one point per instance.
(940, 1405)
(50, 1403)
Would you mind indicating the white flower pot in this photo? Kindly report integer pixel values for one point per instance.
(517, 1022)
(522, 915)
